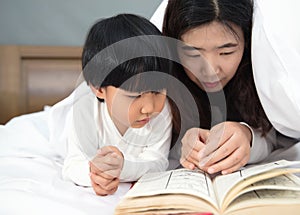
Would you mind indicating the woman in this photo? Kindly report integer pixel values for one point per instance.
(217, 35)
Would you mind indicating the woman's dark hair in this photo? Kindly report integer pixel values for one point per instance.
(113, 54)
(241, 95)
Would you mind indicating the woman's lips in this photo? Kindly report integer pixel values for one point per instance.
(211, 84)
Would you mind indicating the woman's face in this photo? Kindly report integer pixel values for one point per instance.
(211, 54)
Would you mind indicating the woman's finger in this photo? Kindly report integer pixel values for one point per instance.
(231, 163)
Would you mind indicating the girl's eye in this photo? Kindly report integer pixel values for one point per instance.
(138, 96)
(134, 97)
(159, 92)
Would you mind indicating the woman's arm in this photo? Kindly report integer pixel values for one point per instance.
(261, 147)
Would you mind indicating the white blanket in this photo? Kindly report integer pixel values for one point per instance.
(30, 174)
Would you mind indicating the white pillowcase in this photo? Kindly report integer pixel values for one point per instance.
(158, 16)
(276, 62)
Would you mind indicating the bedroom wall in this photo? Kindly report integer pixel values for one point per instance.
(57, 22)
(40, 47)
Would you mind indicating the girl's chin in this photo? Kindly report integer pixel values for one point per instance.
(139, 124)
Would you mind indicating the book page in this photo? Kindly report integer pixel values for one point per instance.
(281, 182)
(273, 180)
(266, 198)
(224, 183)
(287, 181)
(184, 181)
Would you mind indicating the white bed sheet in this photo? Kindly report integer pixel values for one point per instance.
(30, 174)
(30, 171)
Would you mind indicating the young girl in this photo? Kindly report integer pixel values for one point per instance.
(217, 70)
(121, 125)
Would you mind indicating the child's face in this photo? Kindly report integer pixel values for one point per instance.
(215, 56)
(130, 109)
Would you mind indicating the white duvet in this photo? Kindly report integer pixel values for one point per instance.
(30, 174)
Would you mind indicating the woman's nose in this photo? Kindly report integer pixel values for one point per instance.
(210, 66)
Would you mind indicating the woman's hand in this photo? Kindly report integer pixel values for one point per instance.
(227, 148)
(192, 142)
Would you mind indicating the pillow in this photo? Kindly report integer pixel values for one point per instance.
(158, 16)
(276, 62)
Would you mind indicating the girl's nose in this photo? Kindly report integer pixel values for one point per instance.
(148, 103)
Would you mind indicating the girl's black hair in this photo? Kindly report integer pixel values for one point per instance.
(242, 99)
(111, 54)
(114, 55)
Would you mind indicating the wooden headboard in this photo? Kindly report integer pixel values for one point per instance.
(34, 76)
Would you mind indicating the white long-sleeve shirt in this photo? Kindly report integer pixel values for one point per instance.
(144, 149)
(261, 147)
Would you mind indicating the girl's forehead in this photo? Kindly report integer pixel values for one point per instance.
(127, 92)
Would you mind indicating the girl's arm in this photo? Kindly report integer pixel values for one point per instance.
(82, 142)
(76, 166)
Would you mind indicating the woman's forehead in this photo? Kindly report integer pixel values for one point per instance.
(214, 34)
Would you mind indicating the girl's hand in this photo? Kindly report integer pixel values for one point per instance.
(227, 148)
(105, 170)
(104, 184)
(109, 160)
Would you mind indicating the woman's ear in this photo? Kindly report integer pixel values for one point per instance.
(99, 92)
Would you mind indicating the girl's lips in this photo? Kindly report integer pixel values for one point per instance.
(144, 121)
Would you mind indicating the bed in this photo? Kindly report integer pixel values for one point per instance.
(34, 76)
(32, 80)
(30, 163)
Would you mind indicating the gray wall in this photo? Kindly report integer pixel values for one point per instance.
(60, 22)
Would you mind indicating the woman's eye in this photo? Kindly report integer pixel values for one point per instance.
(226, 53)
(192, 55)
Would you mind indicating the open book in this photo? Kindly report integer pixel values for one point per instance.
(270, 188)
